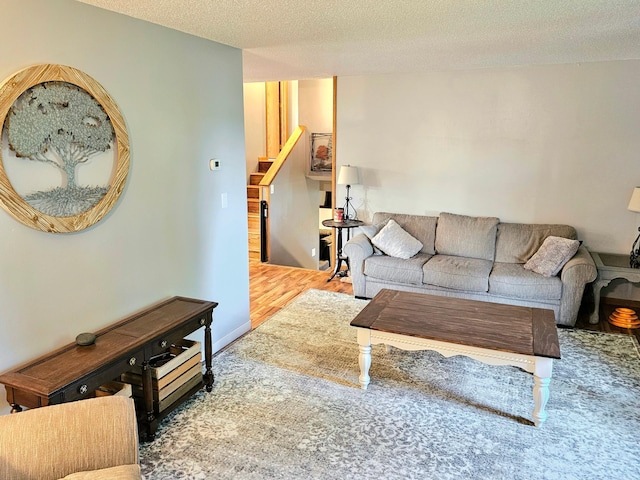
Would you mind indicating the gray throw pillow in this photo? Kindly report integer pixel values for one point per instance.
(396, 242)
(552, 255)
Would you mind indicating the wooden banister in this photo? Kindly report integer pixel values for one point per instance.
(282, 156)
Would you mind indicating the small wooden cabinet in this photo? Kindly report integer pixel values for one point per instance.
(76, 372)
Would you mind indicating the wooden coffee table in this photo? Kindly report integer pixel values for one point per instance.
(492, 333)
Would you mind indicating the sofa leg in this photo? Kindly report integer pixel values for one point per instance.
(362, 298)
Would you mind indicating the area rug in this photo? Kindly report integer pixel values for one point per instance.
(286, 404)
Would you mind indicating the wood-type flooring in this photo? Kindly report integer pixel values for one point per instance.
(273, 287)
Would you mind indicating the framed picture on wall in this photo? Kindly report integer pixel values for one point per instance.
(64, 149)
(321, 153)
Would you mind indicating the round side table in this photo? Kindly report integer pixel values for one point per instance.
(339, 226)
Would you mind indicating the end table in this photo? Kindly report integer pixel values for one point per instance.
(610, 266)
(339, 226)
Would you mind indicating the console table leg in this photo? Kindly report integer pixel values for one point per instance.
(208, 376)
(147, 391)
(542, 378)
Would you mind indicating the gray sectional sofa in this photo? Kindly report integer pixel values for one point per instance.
(478, 258)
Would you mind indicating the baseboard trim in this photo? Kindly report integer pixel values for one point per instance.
(233, 335)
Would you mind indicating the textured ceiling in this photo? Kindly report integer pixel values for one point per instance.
(300, 39)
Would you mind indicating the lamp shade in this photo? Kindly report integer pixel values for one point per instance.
(634, 203)
(348, 175)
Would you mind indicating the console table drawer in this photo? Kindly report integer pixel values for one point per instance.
(85, 387)
(161, 344)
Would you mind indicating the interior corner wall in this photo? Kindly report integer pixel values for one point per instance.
(181, 98)
(293, 213)
(543, 144)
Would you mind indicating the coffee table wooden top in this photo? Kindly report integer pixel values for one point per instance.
(510, 328)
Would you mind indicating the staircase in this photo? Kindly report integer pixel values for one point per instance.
(253, 206)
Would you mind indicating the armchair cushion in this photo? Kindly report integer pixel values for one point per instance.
(122, 472)
(72, 437)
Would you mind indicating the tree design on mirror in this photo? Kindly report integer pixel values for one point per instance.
(65, 151)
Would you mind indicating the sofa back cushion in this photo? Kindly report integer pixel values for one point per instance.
(517, 242)
(421, 227)
(464, 236)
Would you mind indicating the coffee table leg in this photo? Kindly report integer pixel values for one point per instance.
(542, 378)
(364, 358)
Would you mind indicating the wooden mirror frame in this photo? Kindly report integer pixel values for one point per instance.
(11, 201)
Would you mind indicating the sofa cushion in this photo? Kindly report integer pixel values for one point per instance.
(393, 240)
(552, 255)
(517, 242)
(122, 472)
(463, 236)
(512, 280)
(398, 270)
(458, 273)
(420, 227)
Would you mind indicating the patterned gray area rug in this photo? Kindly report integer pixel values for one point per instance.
(286, 404)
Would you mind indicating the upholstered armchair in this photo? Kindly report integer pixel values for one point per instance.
(88, 439)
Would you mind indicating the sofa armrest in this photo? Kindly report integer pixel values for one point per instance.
(580, 269)
(358, 249)
(55, 441)
(575, 274)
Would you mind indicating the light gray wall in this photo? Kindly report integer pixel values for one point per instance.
(293, 212)
(540, 144)
(181, 98)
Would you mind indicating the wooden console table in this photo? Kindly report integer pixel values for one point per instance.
(75, 372)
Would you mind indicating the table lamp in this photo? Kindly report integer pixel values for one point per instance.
(634, 206)
(349, 176)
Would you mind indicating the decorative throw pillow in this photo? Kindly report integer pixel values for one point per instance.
(552, 255)
(371, 231)
(396, 242)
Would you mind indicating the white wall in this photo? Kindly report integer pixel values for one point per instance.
(315, 105)
(540, 144)
(181, 98)
(254, 124)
